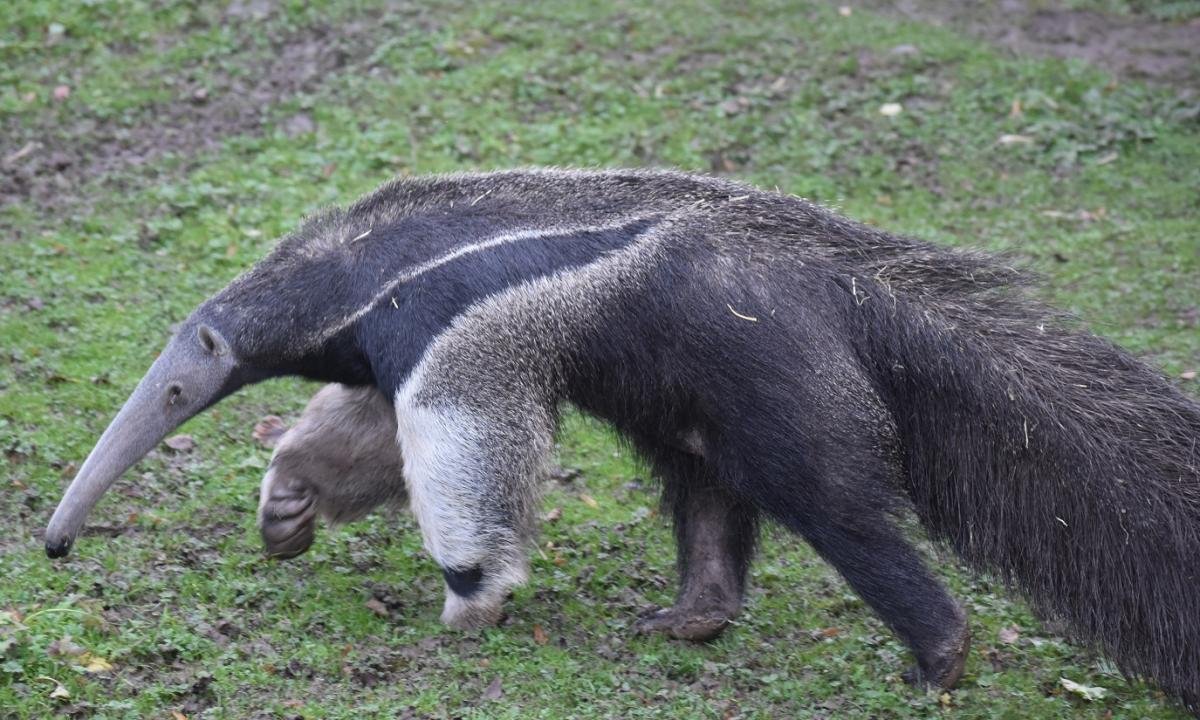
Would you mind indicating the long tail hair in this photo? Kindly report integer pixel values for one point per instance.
(1043, 453)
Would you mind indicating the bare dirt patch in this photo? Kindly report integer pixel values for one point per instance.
(46, 162)
(1130, 46)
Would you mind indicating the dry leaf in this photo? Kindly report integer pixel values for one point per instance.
(65, 647)
(176, 715)
(589, 500)
(59, 692)
(180, 443)
(553, 516)
(1087, 692)
(1015, 140)
(891, 109)
(94, 663)
(494, 691)
(845, 11)
(1189, 375)
(62, 92)
(377, 607)
(539, 635)
(1009, 635)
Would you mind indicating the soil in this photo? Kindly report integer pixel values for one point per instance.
(1129, 46)
(45, 163)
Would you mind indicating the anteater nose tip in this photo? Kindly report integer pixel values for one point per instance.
(59, 548)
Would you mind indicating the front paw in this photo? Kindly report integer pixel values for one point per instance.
(473, 613)
(287, 516)
(684, 623)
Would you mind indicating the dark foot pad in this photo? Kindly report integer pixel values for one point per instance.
(685, 623)
(287, 519)
(943, 670)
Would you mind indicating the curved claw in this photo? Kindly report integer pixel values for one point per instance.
(684, 624)
(944, 671)
(287, 518)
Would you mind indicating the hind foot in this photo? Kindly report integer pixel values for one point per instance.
(942, 669)
(697, 616)
(684, 623)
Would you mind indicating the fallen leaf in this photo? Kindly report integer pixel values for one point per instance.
(62, 92)
(845, 11)
(891, 109)
(829, 632)
(180, 443)
(1015, 111)
(553, 515)
(377, 607)
(1087, 692)
(94, 663)
(1009, 635)
(539, 635)
(1014, 140)
(494, 691)
(945, 699)
(176, 715)
(59, 692)
(589, 500)
(1189, 375)
(65, 647)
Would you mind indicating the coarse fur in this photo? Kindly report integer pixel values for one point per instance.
(828, 373)
(341, 459)
(338, 462)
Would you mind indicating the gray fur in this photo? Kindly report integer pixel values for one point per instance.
(338, 462)
(751, 345)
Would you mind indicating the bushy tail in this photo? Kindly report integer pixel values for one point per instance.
(1047, 455)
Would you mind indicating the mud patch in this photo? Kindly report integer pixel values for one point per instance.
(46, 163)
(1130, 46)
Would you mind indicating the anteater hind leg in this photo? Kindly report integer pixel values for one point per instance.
(836, 501)
(715, 536)
(339, 461)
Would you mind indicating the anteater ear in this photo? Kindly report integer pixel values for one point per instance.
(212, 341)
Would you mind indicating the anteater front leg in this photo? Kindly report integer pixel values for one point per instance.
(473, 461)
(339, 462)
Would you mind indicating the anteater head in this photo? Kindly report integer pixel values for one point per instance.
(291, 314)
(197, 368)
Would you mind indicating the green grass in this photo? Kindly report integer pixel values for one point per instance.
(1100, 196)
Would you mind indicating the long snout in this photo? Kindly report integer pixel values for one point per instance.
(186, 378)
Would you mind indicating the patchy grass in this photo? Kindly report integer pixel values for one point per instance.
(1098, 192)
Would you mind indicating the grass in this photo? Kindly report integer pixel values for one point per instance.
(1098, 194)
